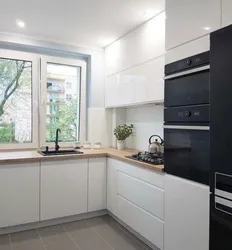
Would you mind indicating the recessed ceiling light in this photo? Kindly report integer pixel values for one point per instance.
(20, 23)
(206, 28)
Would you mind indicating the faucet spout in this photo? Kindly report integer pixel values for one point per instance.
(57, 139)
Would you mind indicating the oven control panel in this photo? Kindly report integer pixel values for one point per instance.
(187, 63)
(193, 114)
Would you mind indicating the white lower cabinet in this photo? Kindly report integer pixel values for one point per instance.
(135, 195)
(141, 221)
(19, 194)
(186, 215)
(112, 185)
(63, 188)
(97, 184)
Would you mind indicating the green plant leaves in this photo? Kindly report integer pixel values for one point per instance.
(123, 131)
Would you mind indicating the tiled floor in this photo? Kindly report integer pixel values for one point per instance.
(100, 233)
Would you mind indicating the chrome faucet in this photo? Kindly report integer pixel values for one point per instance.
(57, 139)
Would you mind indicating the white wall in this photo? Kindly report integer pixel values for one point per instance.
(148, 120)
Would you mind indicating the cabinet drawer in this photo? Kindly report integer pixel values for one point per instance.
(144, 223)
(146, 175)
(142, 194)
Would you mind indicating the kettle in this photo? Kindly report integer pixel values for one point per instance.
(156, 146)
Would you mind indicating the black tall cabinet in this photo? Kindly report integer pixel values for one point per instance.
(221, 139)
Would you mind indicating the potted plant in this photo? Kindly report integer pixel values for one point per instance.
(122, 132)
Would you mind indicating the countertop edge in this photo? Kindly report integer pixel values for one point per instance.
(111, 153)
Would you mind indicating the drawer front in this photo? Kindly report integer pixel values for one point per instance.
(146, 175)
(142, 222)
(142, 194)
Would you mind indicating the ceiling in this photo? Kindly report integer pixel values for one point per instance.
(90, 23)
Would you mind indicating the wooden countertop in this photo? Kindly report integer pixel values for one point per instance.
(33, 156)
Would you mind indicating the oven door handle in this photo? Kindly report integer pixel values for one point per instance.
(187, 72)
(174, 149)
(187, 127)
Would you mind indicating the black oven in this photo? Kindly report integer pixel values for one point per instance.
(186, 118)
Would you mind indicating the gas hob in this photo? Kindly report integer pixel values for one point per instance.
(152, 158)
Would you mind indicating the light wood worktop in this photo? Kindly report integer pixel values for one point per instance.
(33, 156)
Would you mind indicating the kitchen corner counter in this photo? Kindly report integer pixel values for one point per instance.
(9, 157)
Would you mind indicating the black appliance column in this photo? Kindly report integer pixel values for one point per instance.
(221, 139)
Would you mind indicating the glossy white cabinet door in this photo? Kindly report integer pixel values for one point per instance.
(142, 222)
(195, 47)
(142, 194)
(19, 194)
(138, 85)
(63, 188)
(140, 45)
(226, 12)
(188, 20)
(112, 166)
(186, 213)
(97, 184)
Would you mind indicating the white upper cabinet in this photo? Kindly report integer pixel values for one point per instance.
(188, 20)
(195, 47)
(226, 12)
(140, 84)
(19, 194)
(139, 46)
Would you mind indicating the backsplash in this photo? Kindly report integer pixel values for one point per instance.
(148, 120)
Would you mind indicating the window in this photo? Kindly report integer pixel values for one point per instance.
(68, 85)
(65, 94)
(62, 100)
(17, 93)
(68, 97)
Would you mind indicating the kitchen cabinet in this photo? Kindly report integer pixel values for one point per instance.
(112, 166)
(140, 45)
(135, 195)
(142, 222)
(63, 188)
(195, 47)
(97, 184)
(188, 20)
(186, 214)
(226, 12)
(138, 85)
(19, 194)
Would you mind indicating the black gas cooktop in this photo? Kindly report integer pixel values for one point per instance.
(152, 158)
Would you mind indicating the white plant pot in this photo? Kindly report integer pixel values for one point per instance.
(121, 145)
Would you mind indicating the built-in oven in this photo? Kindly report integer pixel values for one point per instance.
(186, 118)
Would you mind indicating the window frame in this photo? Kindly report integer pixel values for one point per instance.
(34, 59)
(44, 60)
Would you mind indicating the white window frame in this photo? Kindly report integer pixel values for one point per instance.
(17, 55)
(43, 98)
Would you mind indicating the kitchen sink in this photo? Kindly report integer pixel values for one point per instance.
(60, 152)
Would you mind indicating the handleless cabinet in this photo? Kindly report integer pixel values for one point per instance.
(188, 20)
(63, 188)
(186, 209)
(226, 12)
(19, 194)
(97, 184)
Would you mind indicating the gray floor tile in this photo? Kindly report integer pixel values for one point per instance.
(63, 245)
(4, 243)
(85, 237)
(113, 234)
(26, 240)
(54, 235)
